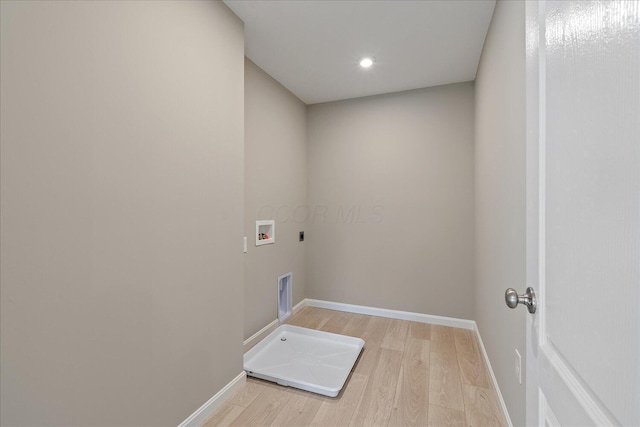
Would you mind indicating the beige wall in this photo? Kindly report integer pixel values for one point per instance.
(500, 197)
(275, 188)
(391, 196)
(122, 210)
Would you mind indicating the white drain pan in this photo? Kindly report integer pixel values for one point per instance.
(303, 358)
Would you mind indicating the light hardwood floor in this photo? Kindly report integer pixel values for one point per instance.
(409, 374)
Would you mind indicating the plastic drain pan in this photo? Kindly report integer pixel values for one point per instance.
(307, 359)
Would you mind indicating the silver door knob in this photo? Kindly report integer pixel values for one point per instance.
(512, 299)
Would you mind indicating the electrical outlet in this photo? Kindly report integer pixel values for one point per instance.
(518, 367)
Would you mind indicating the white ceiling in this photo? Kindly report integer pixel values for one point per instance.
(313, 47)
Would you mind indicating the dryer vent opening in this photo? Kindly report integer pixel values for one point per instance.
(284, 296)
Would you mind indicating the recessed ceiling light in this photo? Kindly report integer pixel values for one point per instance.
(366, 62)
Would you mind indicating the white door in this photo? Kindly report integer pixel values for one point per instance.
(583, 225)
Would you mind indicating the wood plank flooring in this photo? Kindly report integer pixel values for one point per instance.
(409, 374)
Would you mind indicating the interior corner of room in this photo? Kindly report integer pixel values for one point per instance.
(160, 191)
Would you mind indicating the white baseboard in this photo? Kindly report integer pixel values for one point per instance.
(298, 306)
(201, 414)
(503, 406)
(258, 336)
(393, 314)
